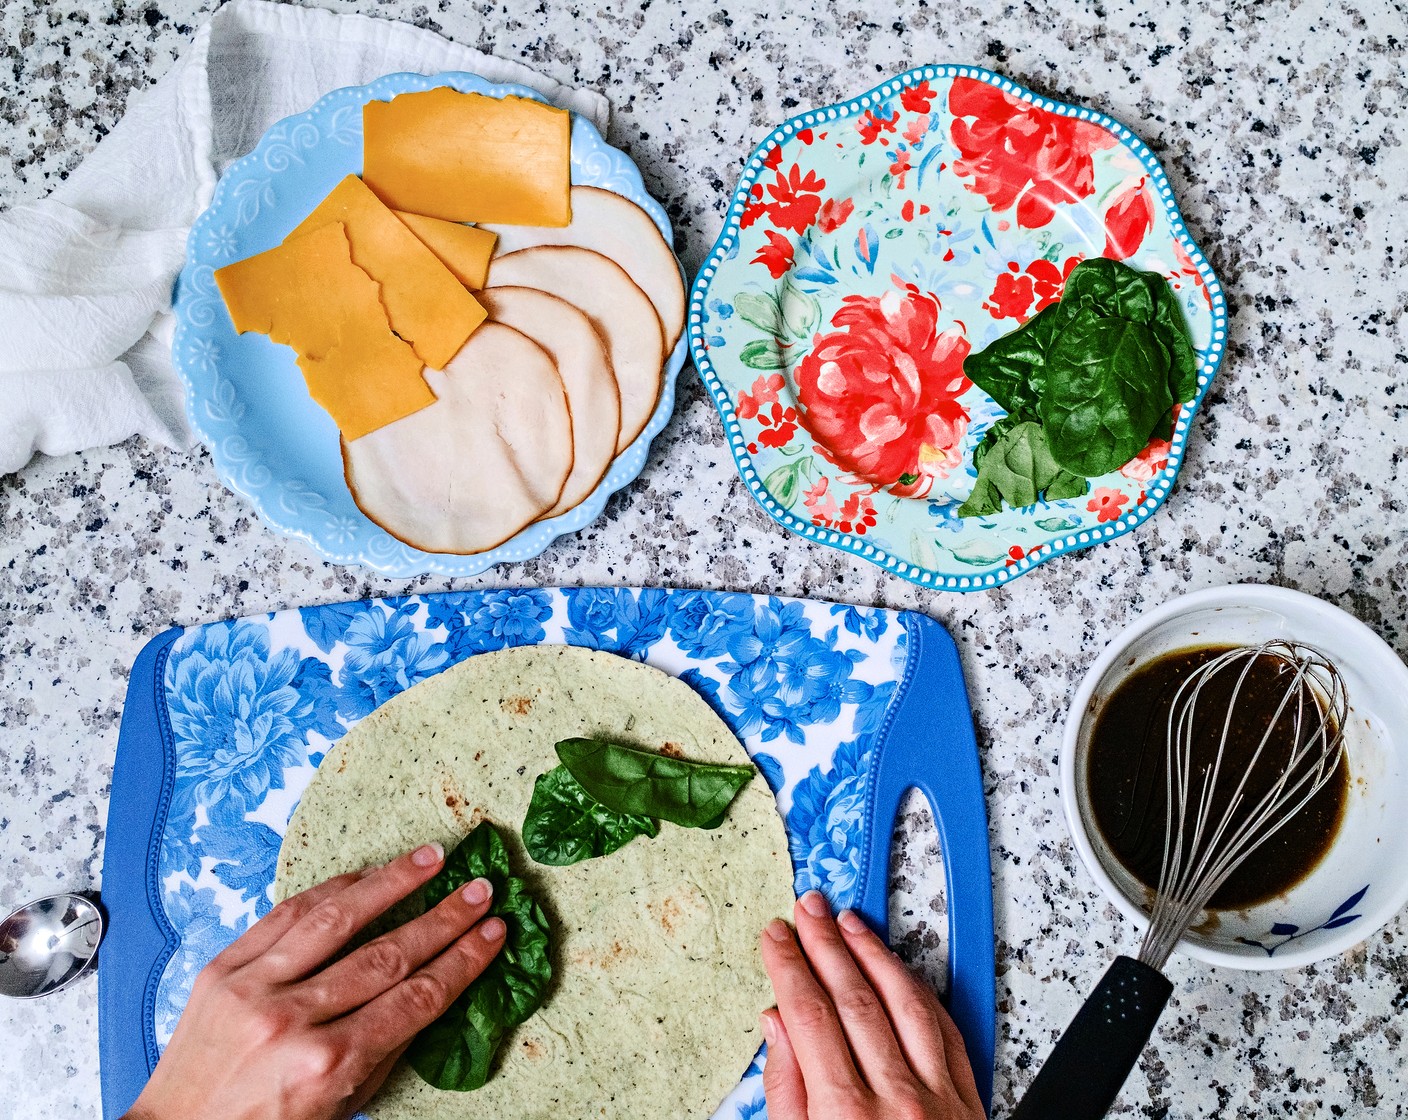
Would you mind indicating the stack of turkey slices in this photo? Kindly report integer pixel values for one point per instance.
(533, 409)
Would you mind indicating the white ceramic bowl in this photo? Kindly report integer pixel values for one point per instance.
(1363, 880)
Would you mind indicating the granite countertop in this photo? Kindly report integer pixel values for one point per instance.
(1282, 126)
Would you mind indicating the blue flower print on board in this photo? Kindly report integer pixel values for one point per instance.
(756, 1109)
(616, 621)
(824, 824)
(386, 654)
(862, 623)
(782, 678)
(703, 624)
(478, 621)
(195, 915)
(236, 720)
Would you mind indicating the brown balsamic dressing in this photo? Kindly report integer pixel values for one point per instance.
(1126, 773)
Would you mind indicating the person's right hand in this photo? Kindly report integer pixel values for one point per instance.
(855, 1036)
(273, 1031)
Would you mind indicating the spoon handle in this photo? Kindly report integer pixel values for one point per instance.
(1083, 1074)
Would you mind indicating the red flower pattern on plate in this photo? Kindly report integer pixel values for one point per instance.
(796, 199)
(873, 125)
(916, 99)
(754, 208)
(1148, 462)
(1020, 293)
(1021, 155)
(776, 255)
(765, 390)
(880, 393)
(855, 515)
(1107, 503)
(1128, 219)
(833, 214)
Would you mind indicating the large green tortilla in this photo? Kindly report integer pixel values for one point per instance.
(658, 983)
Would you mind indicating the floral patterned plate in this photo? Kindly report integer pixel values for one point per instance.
(870, 247)
(245, 397)
(842, 709)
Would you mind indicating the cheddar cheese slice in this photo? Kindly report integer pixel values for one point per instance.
(307, 294)
(464, 250)
(425, 304)
(466, 157)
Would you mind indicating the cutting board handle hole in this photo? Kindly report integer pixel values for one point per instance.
(919, 893)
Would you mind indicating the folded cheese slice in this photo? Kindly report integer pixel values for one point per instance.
(464, 250)
(307, 294)
(466, 157)
(425, 303)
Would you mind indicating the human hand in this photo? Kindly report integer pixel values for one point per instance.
(855, 1036)
(273, 1031)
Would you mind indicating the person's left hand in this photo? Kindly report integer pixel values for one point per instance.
(855, 1035)
(272, 1031)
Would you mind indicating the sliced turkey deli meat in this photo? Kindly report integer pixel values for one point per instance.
(580, 355)
(490, 456)
(617, 228)
(617, 308)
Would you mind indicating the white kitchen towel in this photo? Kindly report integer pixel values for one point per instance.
(86, 274)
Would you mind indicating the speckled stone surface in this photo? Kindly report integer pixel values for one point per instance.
(1282, 126)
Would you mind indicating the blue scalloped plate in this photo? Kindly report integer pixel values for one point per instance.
(931, 215)
(245, 396)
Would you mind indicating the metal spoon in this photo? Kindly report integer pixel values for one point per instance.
(47, 944)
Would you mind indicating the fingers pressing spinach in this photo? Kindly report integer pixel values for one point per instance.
(565, 824)
(1097, 372)
(456, 1051)
(692, 794)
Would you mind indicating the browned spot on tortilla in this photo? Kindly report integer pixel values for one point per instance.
(516, 705)
(342, 764)
(667, 912)
(534, 1050)
(466, 818)
(673, 750)
(605, 960)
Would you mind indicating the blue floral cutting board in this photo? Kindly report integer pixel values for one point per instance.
(843, 709)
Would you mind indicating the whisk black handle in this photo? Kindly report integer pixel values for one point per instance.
(1083, 1074)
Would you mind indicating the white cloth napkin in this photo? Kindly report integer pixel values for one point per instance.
(86, 274)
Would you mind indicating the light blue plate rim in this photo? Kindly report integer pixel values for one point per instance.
(594, 163)
(1159, 486)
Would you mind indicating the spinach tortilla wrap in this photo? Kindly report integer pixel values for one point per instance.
(658, 984)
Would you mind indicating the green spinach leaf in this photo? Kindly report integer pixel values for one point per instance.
(1012, 369)
(565, 824)
(1017, 470)
(1113, 288)
(456, 1051)
(1173, 332)
(626, 780)
(1107, 388)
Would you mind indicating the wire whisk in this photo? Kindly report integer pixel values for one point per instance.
(1202, 846)
(1215, 818)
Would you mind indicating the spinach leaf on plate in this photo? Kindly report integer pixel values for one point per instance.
(565, 824)
(456, 1051)
(1114, 289)
(1107, 389)
(1011, 369)
(1173, 332)
(692, 794)
(1018, 470)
